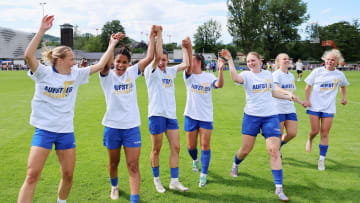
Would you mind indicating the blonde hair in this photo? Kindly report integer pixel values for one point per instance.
(277, 60)
(336, 53)
(254, 54)
(52, 55)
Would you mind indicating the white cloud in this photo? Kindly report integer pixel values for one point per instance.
(179, 19)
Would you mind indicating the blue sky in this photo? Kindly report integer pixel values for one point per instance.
(180, 18)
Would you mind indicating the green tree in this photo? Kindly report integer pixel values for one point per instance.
(281, 19)
(110, 28)
(265, 25)
(245, 23)
(345, 35)
(93, 44)
(206, 36)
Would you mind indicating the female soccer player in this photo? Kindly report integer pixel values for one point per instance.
(122, 117)
(321, 101)
(284, 80)
(53, 109)
(258, 114)
(162, 111)
(199, 111)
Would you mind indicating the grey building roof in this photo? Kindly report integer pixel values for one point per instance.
(13, 43)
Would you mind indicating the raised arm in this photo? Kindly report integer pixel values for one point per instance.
(187, 54)
(104, 60)
(159, 48)
(106, 70)
(343, 95)
(143, 63)
(220, 82)
(233, 73)
(46, 24)
(307, 96)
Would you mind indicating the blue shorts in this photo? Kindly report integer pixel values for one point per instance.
(114, 138)
(191, 124)
(46, 139)
(287, 117)
(320, 114)
(159, 124)
(270, 126)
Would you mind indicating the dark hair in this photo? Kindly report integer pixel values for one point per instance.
(200, 58)
(166, 53)
(124, 51)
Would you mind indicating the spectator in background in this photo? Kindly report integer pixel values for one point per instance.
(299, 69)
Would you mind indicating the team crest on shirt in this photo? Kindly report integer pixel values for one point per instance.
(59, 92)
(329, 85)
(262, 87)
(204, 88)
(167, 82)
(124, 88)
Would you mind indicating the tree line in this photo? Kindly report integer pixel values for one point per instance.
(266, 26)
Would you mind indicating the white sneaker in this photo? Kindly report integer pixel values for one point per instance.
(114, 195)
(280, 193)
(176, 185)
(321, 165)
(299, 79)
(202, 182)
(234, 171)
(159, 187)
(195, 167)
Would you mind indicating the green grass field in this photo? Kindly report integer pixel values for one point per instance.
(302, 181)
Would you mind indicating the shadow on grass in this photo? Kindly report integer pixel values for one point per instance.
(331, 165)
(311, 192)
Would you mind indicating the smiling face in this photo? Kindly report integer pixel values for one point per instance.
(253, 62)
(121, 63)
(331, 61)
(284, 61)
(163, 62)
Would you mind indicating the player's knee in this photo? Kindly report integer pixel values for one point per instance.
(175, 149)
(156, 150)
(32, 176)
(314, 131)
(192, 146)
(67, 175)
(273, 152)
(133, 167)
(113, 164)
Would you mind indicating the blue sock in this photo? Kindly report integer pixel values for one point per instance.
(323, 149)
(193, 153)
(237, 161)
(134, 198)
(174, 172)
(282, 143)
(114, 181)
(156, 171)
(278, 176)
(205, 160)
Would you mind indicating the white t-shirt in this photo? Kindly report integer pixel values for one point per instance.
(53, 103)
(285, 81)
(258, 88)
(161, 91)
(198, 96)
(299, 66)
(325, 85)
(122, 111)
